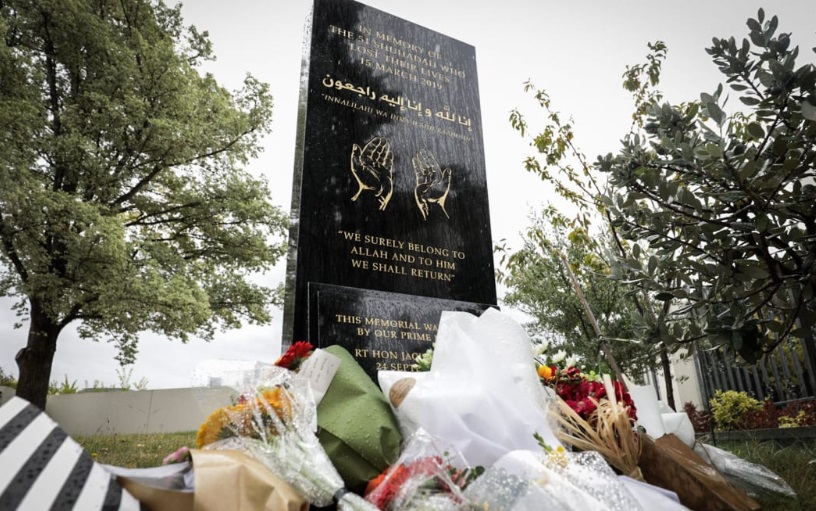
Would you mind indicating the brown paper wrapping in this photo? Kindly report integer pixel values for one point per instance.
(224, 480)
(233, 480)
(158, 499)
(669, 463)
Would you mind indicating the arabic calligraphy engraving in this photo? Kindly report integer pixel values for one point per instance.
(400, 102)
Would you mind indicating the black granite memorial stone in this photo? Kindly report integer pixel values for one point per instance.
(384, 331)
(390, 191)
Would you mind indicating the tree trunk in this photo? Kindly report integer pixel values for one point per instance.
(34, 361)
(607, 349)
(667, 376)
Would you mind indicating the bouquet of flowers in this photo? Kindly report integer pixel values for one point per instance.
(425, 477)
(582, 392)
(545, 354)
(295, 355)
(274, 422)
(595, 415)
(526, 480)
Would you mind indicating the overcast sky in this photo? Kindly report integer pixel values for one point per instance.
(576, 50)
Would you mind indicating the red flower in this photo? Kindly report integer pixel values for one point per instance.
(387, 485)
(573, 372)
(295, 355)
(579, 393)
(584, 407)
(392, 481)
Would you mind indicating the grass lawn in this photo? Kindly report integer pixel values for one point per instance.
(135, 451)
(795, 463)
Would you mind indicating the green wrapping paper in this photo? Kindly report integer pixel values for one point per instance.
(355, 424)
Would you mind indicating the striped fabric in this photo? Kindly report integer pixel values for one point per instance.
(42, 468)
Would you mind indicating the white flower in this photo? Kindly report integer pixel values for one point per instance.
(572, 360)
(559, 356)
(540, 348)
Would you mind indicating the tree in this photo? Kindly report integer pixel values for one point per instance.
(7, 380)
(124, 205)
(727, 201)
(540, 286)
(655, 327)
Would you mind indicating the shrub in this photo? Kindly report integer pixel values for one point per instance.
(702, 420)
(729, 406)
(766, 417)
(792, 422)
(7, 380)
(802, 413)
(736, 410)
(66, 387)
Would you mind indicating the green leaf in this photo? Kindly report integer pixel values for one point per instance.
(716, 113)
(762, 222)
(652, 264)
(749, 354)
(807, 318)
(680, 293)
(755, 130)
(748, 170)
(774, 326)
(754, 272)
(714, 150)
(664, 296)
(736, 340)
(808, 111)
(748, 100)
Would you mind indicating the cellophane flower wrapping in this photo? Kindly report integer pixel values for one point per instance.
(753, 478)
(482, 394)
(429, 475)
(531, 481)
(274, 421)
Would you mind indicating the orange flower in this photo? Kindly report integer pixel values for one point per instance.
(372, 484)
(237, 420)
(546, 372)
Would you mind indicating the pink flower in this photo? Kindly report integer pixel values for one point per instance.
(179, 456)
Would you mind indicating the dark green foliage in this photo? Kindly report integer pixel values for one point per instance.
(7, 380)
(539, 286)
(726, 202)
(124, 205)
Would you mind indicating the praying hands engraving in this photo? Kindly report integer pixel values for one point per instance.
(432, 183)
(373, 168)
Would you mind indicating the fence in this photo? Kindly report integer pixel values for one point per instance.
(786, 374)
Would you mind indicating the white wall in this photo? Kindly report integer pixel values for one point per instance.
(686, 383)
(6, 393)
(126, 412)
